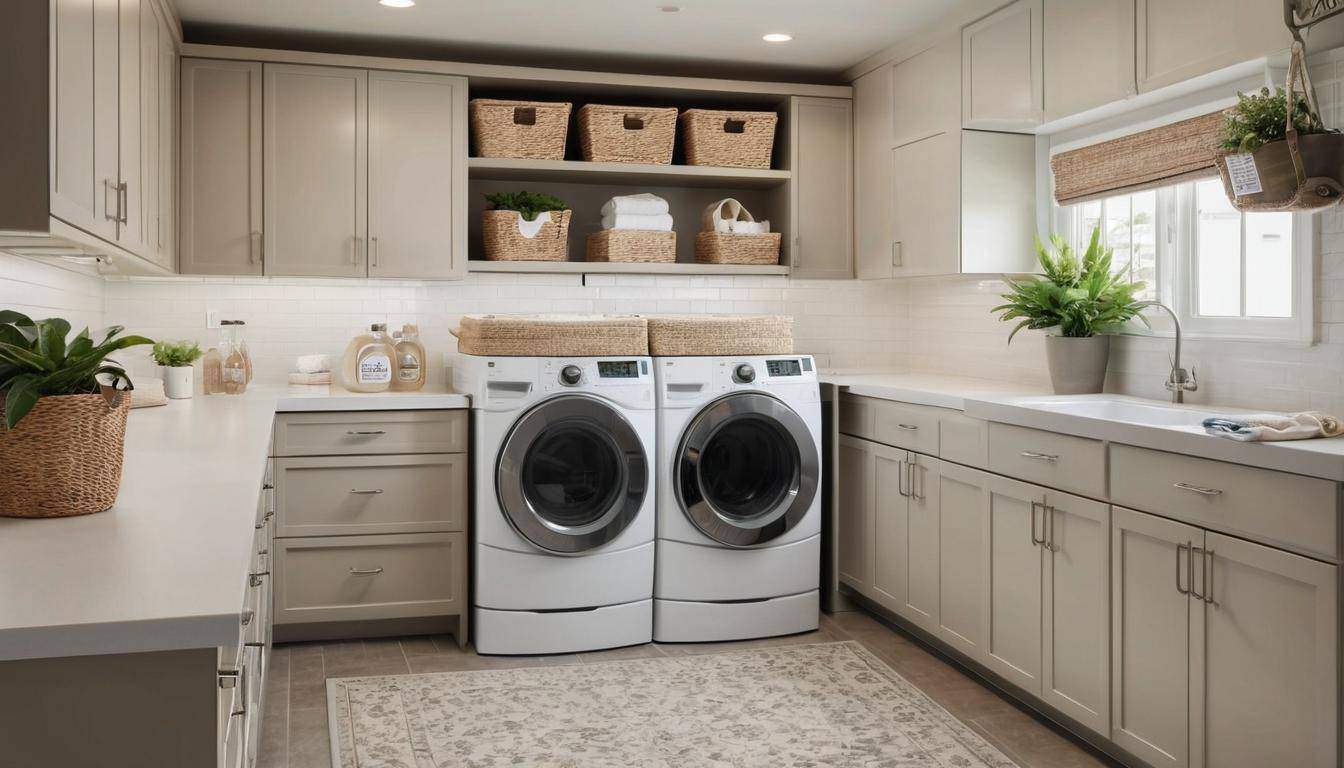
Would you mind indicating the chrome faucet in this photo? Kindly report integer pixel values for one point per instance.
(1179, 381)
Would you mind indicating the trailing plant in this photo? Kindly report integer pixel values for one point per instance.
(176, 354)
(527, 204)
(1262, 117)
(1079, 295)
(36, 361)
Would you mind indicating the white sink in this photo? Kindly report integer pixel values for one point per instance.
(1117, 408)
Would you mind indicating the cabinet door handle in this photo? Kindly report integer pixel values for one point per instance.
(1179, 588)
(373, 250)
(909, 427)
(797, 251)
(1208, 577)
(911, 466)
(365, 571)
(123, 202)
(366, 491)
(900, 478)
(255, 254)
(1195, 593)
(1048, 529)
(365, 432)
(1035, 540)
(896, 253)
(1201, 490)
(108, 212)
(356, 246)
(1048, 457)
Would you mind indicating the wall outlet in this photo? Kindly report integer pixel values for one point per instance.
(212, 318)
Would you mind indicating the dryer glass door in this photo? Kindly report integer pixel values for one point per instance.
(572, 474)
(747, 470)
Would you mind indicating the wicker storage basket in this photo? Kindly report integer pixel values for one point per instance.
(721, 335)
(610, 134)
(530, 129)
(504, 240)
(632, 245)
(64, 457)
(552, 335)
(728, 248)
(732, 139)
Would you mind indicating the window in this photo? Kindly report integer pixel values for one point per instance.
(1225, 273)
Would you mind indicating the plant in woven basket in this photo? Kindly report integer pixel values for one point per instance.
(527, 204)
(1079, 294)
(1262, 117)
(176, 354)
(36, 361)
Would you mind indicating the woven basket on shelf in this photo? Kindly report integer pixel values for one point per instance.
(64, 457)
(528, 129)
(552, 335)
(731, 139)
(721, 335)
(610, 134)
(729, 248)
(503, 239)
(632, 245)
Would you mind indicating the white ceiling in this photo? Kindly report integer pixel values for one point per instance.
(829, 35)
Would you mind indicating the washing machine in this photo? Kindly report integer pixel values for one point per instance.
(564, 504)
(739, 503)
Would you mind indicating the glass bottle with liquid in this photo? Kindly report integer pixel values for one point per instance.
(410, 360)
(212, 368)
(236, 369)
(368, 365)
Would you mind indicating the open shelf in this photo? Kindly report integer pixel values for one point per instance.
(581, 172)
(625, 268)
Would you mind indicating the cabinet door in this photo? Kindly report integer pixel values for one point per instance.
(963, 559)
(220, 180)
(1001, 70)
(854, 514)
(1154, 628)
(823, 188)
(891, 528)
(131, 154)
(149, 130)
(1089, 54)
(84, 115)
(1270, 657)
(998, 202)
(1180, 39)
(873, 183)
(927, 198)
(315, 171)
(1076, 633)
(1015, 567)
(417, 175)
(925, 90)
(168, 145)
(921, 556)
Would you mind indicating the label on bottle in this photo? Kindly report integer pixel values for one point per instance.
(408, 374)
(375, 369)
(234, 376)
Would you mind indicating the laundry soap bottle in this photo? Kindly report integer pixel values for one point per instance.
(410, 360)
(368, 363)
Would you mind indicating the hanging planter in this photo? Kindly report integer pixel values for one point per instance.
(1301, 171)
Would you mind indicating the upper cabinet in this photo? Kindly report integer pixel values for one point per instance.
(874, 245)
(1001, 72)
(1089, 54)
(823, 188)
(925, 93)
(1180, 39)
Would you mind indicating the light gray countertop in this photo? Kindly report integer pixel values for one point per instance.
(165, 567)
(926, 388)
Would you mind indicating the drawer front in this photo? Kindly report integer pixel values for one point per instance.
(856, 416)
(1261, 504)
(356, 578)
(1068, 463)
(963, 439)
(913, 427)
(348, 495)
(370, 432)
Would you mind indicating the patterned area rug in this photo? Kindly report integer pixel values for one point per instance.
(830, 704)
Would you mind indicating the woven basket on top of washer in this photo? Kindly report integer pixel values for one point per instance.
(732, 139)
(552, 335)
(720, 335)
(534, 130)
(609, 134)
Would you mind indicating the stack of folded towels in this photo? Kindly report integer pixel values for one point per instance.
(311, 369)
(645, 211)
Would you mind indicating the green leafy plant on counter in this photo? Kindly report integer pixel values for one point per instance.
(1079, 295)
(36, 361)
(1262, 117)
(176, 354)
(527, 204)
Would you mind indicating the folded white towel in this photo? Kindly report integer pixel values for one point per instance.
(661, 222)
(749, 227)
(645, 204)
(1268, 427)
(721, 216)
(312, 364)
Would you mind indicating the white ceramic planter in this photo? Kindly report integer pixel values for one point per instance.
(1077, 365)
(178, 382)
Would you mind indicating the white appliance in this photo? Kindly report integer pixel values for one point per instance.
(564, 501)
(739, 502)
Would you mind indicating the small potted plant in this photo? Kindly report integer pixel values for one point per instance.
(65, 417)
(525, 226)
(1080, 301)
(175, 360)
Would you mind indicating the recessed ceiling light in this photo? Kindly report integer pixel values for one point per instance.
(397, 3)
(777, 37)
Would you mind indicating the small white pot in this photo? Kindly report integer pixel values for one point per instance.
(178, 382)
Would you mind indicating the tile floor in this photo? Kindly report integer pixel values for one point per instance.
(294, 734)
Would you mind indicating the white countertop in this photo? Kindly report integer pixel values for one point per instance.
(166, 566)
(925, 388)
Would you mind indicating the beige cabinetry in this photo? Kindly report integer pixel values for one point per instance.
(1180, 39)
(905, 534)
(1088, 54)
(822, 199)
(854, 513)
(874, 187)
(1001, 88)
(964, 538)
(926, 199)
(925, 92)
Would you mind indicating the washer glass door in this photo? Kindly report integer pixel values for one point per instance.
(571, 474)
(748, 469)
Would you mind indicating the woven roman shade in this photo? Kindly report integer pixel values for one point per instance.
(1154, 158)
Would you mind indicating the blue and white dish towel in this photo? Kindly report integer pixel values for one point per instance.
(1269, 427)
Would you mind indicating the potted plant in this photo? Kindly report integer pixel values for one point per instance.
(525, 226)
(65, 417)
(175, 360)
(1081, 301)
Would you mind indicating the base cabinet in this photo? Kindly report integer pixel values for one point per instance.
(905, 564)
(854, 524)
(964, 542)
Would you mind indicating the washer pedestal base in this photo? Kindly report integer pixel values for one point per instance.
(677, 621)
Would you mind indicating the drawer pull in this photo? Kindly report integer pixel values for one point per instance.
(365, 571)
(909, 427)
(366, 491)
(1201, 490)
(365, 432)
(1050, 457)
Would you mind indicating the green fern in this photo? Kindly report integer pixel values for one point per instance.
(177, 354)
(527, 204)
(1259, 118)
